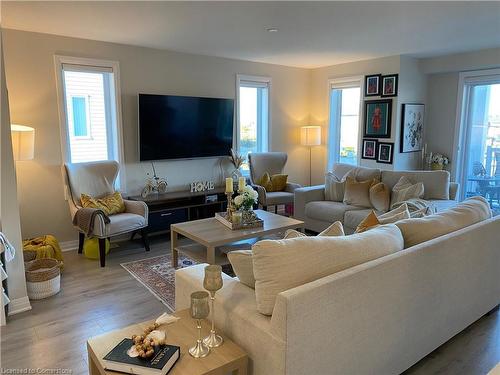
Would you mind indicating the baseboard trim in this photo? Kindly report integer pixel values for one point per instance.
(19, 305)
(69, 245)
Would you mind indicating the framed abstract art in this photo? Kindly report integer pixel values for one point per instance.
(385, 152)
(372, 85)
(377, 120)
(389, 85)
(369, 149)
(412, 128)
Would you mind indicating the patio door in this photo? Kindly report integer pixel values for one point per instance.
(480, 165)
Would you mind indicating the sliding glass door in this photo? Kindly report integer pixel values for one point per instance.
(480, 172)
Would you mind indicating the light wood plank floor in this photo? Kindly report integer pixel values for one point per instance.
(95, 300)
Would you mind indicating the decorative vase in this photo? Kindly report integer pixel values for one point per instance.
(436, 167)
(235, 174)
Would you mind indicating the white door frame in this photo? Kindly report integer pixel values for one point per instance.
(460, 144)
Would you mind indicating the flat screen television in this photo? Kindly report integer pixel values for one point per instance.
(184, 127)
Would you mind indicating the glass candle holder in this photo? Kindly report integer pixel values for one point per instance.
(199, 310)
(237, 217)
(213, 282)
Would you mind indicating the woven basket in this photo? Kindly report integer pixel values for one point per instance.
(43, 278)
(29, 255)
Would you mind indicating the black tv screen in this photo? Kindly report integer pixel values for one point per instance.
(183, 127)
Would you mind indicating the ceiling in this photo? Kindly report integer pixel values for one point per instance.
(310, 34)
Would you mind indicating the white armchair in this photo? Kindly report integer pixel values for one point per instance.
(97, 179)
(272, 163)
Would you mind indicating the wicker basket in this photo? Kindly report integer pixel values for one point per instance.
(43, 278)
(29, 255)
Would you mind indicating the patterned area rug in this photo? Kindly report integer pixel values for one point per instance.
(158, 276)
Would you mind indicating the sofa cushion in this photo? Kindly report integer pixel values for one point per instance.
(380, 197)
(242, 263)
(278, 197)
(438, 205)
(470, 211)
(357, 193)
(124, 222)
(436, 183)
(284, 264)
(406, 189)
(334, 187)
(353, 218)
(373, 220)
(327, 210)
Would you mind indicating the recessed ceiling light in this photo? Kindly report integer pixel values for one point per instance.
(272, 29)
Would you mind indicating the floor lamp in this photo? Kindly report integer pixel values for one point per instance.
(310, 136)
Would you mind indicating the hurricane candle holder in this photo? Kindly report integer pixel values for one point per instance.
(213, 282)
(199, 310)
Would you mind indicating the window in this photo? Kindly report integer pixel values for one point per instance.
(479, 167)
(89, 106)
(252, 115)
(343, 134)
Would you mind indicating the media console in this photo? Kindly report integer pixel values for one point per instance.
(176, 207)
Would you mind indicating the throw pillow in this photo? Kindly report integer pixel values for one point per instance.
(282, 265)
(426, 211)
(110, 204)
(292, 233)
(278, 182)
(336, 229)
(265, 182)
(358, 193)
(468, 212)
(380, 197)
(242, 263)
(405, 189)
(368, 222)
(372, 220)
(334, 187)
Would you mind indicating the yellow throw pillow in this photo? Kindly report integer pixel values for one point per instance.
(358, 193)
(265, 182)
(368, 222)
(279, 182)
(110, 204)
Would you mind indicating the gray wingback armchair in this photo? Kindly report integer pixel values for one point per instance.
(273, 163)
(97, 179)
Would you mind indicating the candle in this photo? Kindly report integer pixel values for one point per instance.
(241, 183)
(237, 218)
(229, 185)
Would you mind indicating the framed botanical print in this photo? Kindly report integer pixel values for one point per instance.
(385, 152)
(372, 85)
(412, 128)
(369, 149)
(377, 118)
(389, 85)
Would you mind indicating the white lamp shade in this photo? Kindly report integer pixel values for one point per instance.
(310, 135)
(23, 142)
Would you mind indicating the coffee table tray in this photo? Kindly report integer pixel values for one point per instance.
(222, 218)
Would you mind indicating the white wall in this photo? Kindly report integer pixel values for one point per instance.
(9, 208)
(29, 59)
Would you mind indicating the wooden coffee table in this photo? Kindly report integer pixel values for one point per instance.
(228, 358)
(208, 234)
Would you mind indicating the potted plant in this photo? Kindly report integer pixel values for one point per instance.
(439, 162)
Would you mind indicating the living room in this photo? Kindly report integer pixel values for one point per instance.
(297, 60)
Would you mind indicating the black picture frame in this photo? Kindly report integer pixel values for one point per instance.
(412, 129)
(369, 85)
(383, 87)
(368, 131)
(390, 153)
(374, 147)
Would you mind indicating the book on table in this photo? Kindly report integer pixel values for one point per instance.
(160, 363)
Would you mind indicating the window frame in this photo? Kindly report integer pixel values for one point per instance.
(87, 65)
(258, 81)
(343, 83)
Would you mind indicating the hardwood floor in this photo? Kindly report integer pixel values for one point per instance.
(94, 300)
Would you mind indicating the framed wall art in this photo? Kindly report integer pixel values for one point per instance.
(385, 152)
(389, 85)
(369, 149)
(412, 127)
(372, 85)
(377, 118)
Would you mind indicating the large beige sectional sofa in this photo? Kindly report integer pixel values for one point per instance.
(377, 317)
(318, 213)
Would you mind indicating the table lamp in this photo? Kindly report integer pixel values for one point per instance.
(23, 142)
(310, 136)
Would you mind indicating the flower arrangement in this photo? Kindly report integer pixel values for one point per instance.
(439, 161)
(237, 159)
(246, 199)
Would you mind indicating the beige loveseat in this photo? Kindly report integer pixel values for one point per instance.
(318, 213)
(379, 317)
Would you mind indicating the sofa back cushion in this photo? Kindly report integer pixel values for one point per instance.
(280, 265)
(468, 212)
(436, 183)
